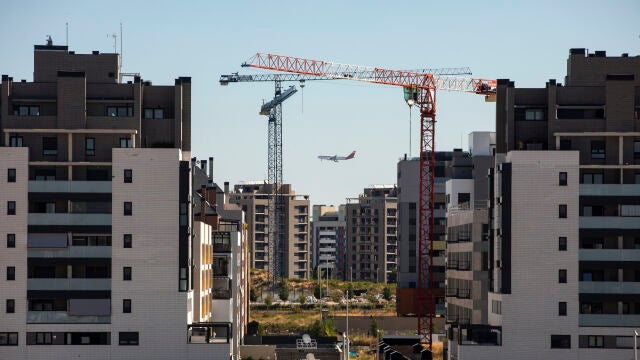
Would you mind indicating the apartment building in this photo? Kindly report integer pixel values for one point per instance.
(565, 276)
(372, 235)
(253, 198)
(467, 250)
(408, 204)
(222, 279)
(97, 184)
(328, 233)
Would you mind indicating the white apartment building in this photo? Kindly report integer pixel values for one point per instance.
(565, 210)
(100, 257)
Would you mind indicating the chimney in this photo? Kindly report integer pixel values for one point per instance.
(203, 165)
(210, 170)
(226, 187)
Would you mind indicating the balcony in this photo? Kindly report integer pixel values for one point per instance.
(609, 190)
(70, 186)
(69, 219)
(627, 320)
(63, 317)
(609, 255)
(609, 287)
(609, 222)
(72, 252)
(67, 284)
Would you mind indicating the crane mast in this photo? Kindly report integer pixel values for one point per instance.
(275, 203)
(424, 84)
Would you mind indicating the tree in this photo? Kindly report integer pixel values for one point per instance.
(253, 295)
(386, 293)
(283, 294)
(374, 327)
(350, 290)
(268, 301)
(253, 327)
(317, 292)
(302, 300)
(316, 329)
(393, 278)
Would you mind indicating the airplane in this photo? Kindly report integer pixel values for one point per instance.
(336, 158)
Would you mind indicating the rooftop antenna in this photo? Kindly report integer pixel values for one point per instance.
(49, 41)
(120, 45)
(67, 33)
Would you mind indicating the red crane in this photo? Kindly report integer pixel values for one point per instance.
(422, 87)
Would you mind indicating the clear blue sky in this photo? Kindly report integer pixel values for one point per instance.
(525, 41)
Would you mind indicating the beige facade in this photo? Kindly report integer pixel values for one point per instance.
(254, 200)
(372, 235)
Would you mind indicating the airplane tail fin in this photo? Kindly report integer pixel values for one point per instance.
(352, 155)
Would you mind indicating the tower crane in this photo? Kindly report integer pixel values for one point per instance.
(422, 86)
(274, 158)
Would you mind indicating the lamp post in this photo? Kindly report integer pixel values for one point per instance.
(347, 332)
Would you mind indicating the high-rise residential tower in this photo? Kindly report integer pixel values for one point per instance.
(253, 199)
(565, 209)
(98, 255)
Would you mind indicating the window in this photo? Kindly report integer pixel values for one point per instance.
(561, 341)
(562, 178)
(49, 146)
(11, 175)
(630, 210)
(154, 113)
(534, 114)
(126, 273)
(597, 149)
(128, 175)
(119, 111)
(128, 241)
(595, 341)
(16, 141)
(8, 339)
(11, 207)
(90, 146)
(26, 110)
(562, 276)
(45, 174)
(125, 143)
(126, 306)
(183, 279)
(565, 144)
(592, 178)
(562, 243)
(464, 198)
(636, 149)
(562, 308)
(562, 211)
(128, 208)
(128, 338)
(11, 273)
(11, 306)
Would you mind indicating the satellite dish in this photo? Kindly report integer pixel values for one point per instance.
(310, 356)
(307, 340)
